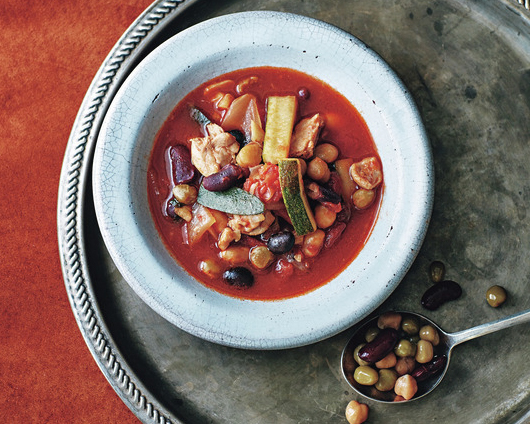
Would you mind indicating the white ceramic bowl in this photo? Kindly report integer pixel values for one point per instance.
(218, 46)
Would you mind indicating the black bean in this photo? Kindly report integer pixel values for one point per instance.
(280, 243)
(170, 209)
(182, 169)
(227, 177)
(379, 347)
(440, 293)
(424, 371)
(239, 277)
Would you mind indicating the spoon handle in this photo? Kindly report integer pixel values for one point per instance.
(490, 327)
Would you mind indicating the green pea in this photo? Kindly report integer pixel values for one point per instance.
(356, 355)
(405, 348)
(414, 339)
(365, 375)
(387, 380)
(371, 334)
(496, 296)
(410, 325)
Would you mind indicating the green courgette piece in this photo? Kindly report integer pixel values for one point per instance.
(199, 117)
(234, 201)
(294, 197)
(281, 113)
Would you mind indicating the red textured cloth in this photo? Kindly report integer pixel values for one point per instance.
(49, 54)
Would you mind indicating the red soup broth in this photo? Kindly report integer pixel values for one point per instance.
(344, 127)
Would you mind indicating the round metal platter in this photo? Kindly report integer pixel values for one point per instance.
(467, 66)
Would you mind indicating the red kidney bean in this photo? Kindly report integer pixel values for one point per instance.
(423, 372)
(322, 194)
(333, 233)
(379, 347)
(183, 169)
(227, 177)
(304, 93)
(440, 293)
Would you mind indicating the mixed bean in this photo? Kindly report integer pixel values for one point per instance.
(393, 356)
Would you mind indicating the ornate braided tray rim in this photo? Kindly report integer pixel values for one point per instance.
(71, 201)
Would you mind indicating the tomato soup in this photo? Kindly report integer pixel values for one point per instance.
(264, 183)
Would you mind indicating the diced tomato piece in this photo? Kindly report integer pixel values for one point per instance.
(265, 184)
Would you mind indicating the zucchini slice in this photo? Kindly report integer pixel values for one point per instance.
(281, 114)
(294, 196)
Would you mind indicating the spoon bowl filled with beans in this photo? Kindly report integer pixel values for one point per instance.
(402, 356)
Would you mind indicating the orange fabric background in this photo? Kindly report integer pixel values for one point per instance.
(49, 54)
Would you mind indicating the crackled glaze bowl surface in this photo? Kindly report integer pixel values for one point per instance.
(222, 45)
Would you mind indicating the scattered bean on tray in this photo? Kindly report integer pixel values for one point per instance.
(356, 413)
(437, 271)
(496, 296)
(440, 293)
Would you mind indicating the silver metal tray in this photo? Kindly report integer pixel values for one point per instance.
(467, 65)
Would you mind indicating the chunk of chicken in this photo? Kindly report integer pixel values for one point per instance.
(227, 236)
(367, 173)
(209, 154)
(305, 136)
(252, 225)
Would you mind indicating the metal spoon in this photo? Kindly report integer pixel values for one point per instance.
(445, 347)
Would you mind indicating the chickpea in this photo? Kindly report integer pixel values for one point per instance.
(429, 333)
(185, 194)
(424, 352)
(235, 254)
(405, 365)
(249, 155)
(363, 198)
(365, 375)
(387, 380)
(318, 170)
(371, 333)
(324, 216)
(356, 355)
(388, 361)
(327, 152)
(303, 166)
(406, 386)
(210, 268)
(389, 320)
(261, 257)
(404, 348)
(313, 243)
(356, 413)
(496, 296)
(185, 212)
(226, 237)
